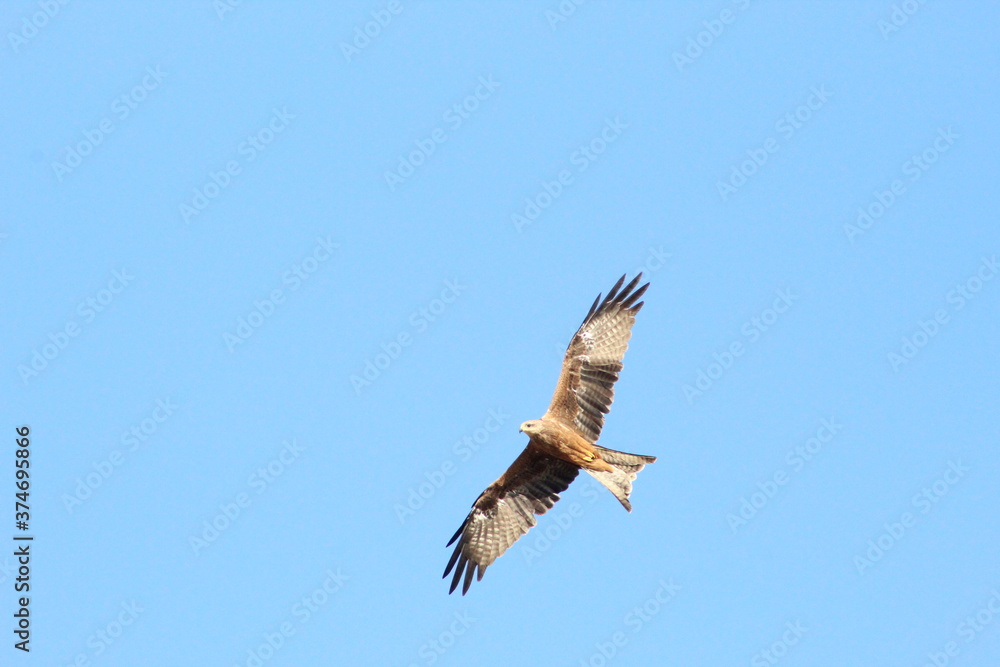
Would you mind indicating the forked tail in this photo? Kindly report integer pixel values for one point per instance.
(619, 480)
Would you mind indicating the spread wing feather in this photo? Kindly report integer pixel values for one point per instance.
(593, 360)
(505, 511)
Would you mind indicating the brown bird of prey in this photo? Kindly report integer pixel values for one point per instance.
(562, 442)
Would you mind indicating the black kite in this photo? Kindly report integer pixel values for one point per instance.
(561, 443)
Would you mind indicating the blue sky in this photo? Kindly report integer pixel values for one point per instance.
(282, 279)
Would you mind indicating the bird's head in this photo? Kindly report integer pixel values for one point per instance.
(531, 427)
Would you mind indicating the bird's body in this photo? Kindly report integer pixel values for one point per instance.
(559, 440)
(561, 443)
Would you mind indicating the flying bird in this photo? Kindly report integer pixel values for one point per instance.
(562, 442)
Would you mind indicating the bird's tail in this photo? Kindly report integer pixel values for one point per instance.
(624, 466)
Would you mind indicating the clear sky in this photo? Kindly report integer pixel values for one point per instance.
(281, 280)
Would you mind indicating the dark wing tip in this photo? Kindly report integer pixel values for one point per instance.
(614, 290)
(624, 298)
(593, 308)
(460, 562)
(635, 296)
(465, 523)
(469, 567)
(451, 561)
(455, 579)
(631, 285)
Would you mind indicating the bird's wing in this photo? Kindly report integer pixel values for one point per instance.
(506, 510)
(593, 359)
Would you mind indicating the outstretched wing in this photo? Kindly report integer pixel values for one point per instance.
(594, 358)
(505, 511)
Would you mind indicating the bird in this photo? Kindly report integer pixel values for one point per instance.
(561, 443)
